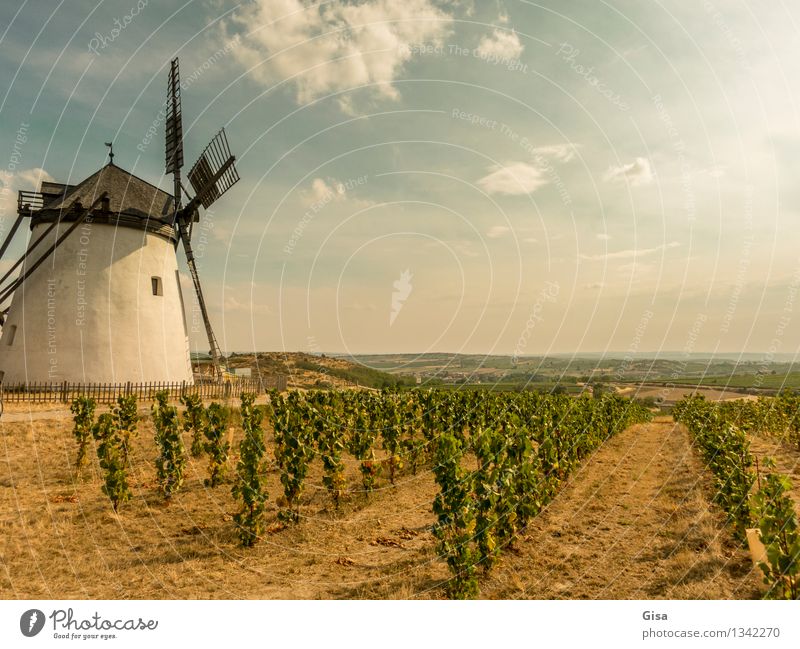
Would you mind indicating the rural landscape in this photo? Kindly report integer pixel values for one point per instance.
(428, 301)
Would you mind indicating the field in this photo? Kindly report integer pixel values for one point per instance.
(574, 370)
(633, 520)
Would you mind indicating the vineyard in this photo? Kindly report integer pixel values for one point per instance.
(754, 498)
(496, 459)
(360, 493)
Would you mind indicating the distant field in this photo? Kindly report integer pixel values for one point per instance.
(507, 387)
(773, 381)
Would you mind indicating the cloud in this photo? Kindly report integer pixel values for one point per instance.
(561, 152)
(335, 45)
(502, 44)
(636, 173)
(603, 237)
(632, 253)
(514, 179)
(497, 231)
(13, 181)
(325, 190)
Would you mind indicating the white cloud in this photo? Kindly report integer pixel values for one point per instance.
(603, 237)
(497, 231)
(13, 181)
(325, 190)
(502, 44)
(530, 240)
(633, 253)
(561, 152)
(335, 45)
(514, 179)
(638, 172)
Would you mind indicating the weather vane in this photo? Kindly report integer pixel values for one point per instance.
(110, 146)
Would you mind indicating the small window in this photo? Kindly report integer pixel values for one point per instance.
(158, 289)
(12, 331)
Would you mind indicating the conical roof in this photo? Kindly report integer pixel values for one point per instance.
(128, 194)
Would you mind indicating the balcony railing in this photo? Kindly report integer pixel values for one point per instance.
(28, 202)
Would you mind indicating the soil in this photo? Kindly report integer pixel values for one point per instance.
(633, 522)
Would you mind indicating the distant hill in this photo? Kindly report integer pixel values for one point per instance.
(315, 371)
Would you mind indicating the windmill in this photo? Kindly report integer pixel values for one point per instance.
(211, 176)
(97, 295)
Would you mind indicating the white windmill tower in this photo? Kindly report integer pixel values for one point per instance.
(97, 297)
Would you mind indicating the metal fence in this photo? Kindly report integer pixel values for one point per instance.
(64, 392)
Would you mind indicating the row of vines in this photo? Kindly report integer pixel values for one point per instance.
(497, 458)
(751, 500)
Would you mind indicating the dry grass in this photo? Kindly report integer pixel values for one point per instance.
(634, 522)
(61, 540)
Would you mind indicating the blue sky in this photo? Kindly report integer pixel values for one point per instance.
(554, 176)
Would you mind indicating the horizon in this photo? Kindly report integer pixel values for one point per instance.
(764, 356)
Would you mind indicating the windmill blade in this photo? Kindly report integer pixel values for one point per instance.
(10, 235)
(173, 135)
(216, 354)
(214, 173)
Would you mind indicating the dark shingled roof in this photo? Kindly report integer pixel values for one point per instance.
(128, 195)
(132, 202)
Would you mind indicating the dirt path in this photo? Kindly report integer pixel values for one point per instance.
(635, 522)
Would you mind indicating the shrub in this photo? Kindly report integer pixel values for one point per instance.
(194, 422)
(110, 454)
(777, 522)
(83, 410)
(455, 525)
(216, 445)
(249, 485)
(126, 416)
(361, 443)
(171, 459)
(294, 436)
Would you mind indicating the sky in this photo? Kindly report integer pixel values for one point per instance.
(485, 177)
